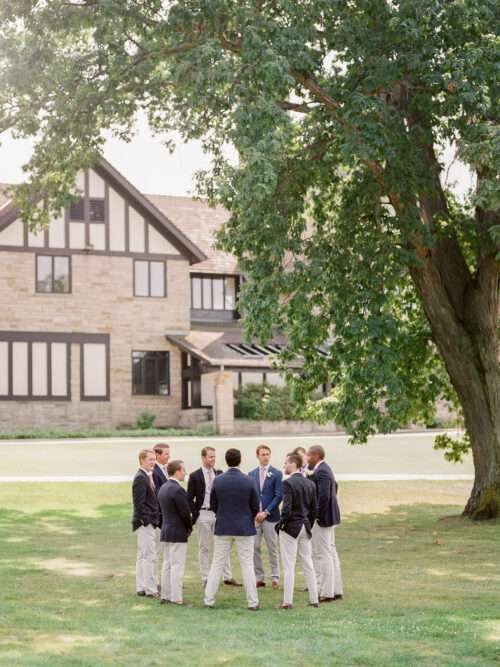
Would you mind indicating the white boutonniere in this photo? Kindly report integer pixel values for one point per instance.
(269, 475)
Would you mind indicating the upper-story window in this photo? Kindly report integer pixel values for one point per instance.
(149, 278)
(53, 274)
(214, 293)
(96, 210)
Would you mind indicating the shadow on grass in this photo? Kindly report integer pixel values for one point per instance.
(421, 585)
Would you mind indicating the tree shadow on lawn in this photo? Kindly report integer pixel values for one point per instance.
(421, 585)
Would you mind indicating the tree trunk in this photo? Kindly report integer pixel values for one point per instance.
(469, 346)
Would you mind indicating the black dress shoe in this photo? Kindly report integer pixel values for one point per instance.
(261, 584)
(339, 596)
(209, 606)
(142, 593)
(313, 604)
(326, 599)
(257, 608)
(164, 601)
(232, 582)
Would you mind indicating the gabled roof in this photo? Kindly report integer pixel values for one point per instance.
(9, 212)
(200, 223)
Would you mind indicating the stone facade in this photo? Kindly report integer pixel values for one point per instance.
(101, 301)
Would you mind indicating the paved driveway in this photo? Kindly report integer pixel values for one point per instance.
(398, 456)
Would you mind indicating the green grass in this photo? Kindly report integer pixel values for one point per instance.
(41, 434)
(422, 588)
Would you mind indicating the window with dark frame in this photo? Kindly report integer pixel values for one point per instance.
(213, 292)
(35, 370)
(96, 210)
(149, 278)
(53, 274)
(151, 373)
(77, 210)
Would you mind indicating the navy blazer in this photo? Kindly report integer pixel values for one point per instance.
(146, 509)
(196, 491)
(299, 505)
(176, 512)
(159, 477)
(235, 502)
(271, 494)
(326, 488)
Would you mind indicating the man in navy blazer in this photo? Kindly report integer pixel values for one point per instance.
(175, 531)
(325, 557)
(162, 453)
(267, 480)
(235, 502)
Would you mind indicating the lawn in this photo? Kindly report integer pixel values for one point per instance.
(422, 588)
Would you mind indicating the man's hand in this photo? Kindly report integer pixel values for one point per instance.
(261, 516)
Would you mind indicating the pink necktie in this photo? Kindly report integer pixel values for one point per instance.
(210, 479)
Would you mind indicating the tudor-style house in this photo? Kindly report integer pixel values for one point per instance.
(122, 305)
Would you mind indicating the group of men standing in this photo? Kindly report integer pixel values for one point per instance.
(232, 508)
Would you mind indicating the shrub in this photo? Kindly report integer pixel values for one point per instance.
(145, 420)
(264, 401)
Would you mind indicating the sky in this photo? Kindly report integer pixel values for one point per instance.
(144, 161)
(153, 170)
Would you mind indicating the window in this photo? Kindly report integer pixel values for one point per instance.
(213, 292)
(34, 370)
(53, 274)
(96, 210)
(77, 210)
(151, 373)
(94, 372)
(149, 278)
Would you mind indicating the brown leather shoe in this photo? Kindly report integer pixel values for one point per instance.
(275, 584)
(232, 582)
(261, 584)
(257, 608)
(286, 606)
(325, 599)
(143, 593)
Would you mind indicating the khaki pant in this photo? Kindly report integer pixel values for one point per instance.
(326, 561)
(290, 548)
(158, 555)
(266, 530)
(222, 549)
(206, 524)
(145, 579)
(174, 564)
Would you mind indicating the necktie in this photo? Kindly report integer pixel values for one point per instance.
(262, 477)
(151, 483)
(210, 480)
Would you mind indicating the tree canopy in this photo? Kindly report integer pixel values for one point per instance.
(341, 216)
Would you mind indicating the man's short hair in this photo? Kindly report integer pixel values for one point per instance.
(233, 457)
(261, 447)
(317, 449)
(299, 450)
(295, 458)
(174, 466)
(205, 450)
(144, 453)
(160, 448)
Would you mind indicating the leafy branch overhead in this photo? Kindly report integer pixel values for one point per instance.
(342, 216)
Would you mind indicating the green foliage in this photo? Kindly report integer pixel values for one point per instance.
(264, 401)
(145, 420)
(454, 448)
(54, 434)
(340, 113)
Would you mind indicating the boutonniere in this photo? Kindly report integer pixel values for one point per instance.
(269, 475)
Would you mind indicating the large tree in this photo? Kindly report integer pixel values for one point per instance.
(340, 111)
